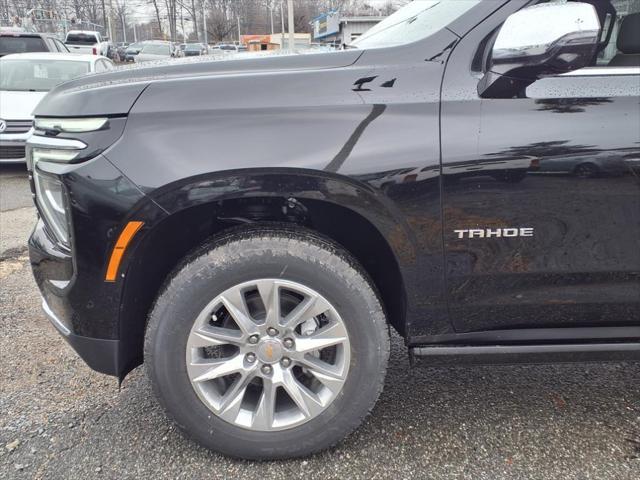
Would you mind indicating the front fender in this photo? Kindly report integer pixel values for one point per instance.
(299, 184)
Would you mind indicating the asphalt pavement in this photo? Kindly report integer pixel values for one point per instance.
(60, 420)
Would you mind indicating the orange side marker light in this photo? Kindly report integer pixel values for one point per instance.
(118, 250)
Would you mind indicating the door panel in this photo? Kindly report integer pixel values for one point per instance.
(565, 162)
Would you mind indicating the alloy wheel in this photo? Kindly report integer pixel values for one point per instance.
(268, 354)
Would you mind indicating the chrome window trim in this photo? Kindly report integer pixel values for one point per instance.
(602, 71)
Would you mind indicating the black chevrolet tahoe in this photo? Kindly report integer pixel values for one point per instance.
(466, 173)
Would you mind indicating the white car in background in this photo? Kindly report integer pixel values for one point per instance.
(156, 50)
(87, 41)
(25, 78)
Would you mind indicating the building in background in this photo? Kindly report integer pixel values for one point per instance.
(332, 28)
(257, 43)
(302, 41)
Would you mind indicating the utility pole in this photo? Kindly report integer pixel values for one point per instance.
(282, 30)
(110, 30)
(292, 28)
(239, 38)
(204, 23)
(104, 15)
(111, 37)
(184, 35)
(124, 28)
(135, 35)
(271, 12)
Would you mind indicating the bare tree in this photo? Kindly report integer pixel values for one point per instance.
(157, 10)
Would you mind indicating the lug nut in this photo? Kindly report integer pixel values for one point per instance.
(272, 331)
(288, 342)
(285, 362)
(250, 357)
(254, 339)
(266, 369)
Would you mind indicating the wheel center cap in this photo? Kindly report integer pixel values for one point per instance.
(270, 351)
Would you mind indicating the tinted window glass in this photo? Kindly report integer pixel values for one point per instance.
(21, 45)
(81, 39)
(623, 8)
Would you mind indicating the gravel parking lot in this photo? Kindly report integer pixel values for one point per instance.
(58, 419)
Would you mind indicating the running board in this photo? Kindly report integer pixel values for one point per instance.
(510, 354)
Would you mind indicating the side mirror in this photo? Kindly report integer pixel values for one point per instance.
(545, 39)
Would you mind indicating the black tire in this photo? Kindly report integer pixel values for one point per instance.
(295, 255)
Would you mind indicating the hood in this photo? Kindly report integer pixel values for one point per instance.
(115, 92)
(19, 105)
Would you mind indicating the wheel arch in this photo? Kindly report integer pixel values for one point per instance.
(209, 205)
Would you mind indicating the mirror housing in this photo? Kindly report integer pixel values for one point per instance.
(537, 41)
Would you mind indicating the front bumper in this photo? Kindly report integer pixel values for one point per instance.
(83, 307)
(102, 355)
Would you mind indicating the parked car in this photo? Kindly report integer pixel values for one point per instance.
(121, 49)
(194, 50)
(132, 50)
(155, 50)
(14, 40)
(242, 246)
(25, 79)
(230, 48)
(233, 48)
(87, 41)
(112, 52)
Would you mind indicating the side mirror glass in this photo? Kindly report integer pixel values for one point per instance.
(545, 39)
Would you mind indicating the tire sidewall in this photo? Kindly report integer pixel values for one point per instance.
(214, 270)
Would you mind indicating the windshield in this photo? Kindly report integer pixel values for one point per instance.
(21, 45)
(38, 75)
(157, 49)
(81, 38)
(194, 46)
(416, 21)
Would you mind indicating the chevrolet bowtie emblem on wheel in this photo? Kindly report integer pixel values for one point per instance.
(3, 125)
(495, 232)
(269, 351)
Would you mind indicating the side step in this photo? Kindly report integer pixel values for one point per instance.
(512, 354)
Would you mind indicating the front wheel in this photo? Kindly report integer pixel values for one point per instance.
(268, 344)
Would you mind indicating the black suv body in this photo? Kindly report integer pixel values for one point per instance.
(486, 205)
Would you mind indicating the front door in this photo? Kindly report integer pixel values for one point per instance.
(541, 212)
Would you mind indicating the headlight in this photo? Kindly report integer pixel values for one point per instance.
(71, 125)
(52, 155)
(51, 196)
(52, 200)
(52, 149)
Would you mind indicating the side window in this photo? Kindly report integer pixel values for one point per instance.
(621, 34)
(61, 46)
(51, 45)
